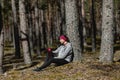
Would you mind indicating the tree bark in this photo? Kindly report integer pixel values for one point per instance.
(117, 21)
(62, 16)
(16, 31)
(37, 28)
(72, 23)
(106, 52)
(1, 50)
(30, 27)
(23, 31)
(41, 21)
(48, 21)
(1, 41)
(93, 26)
(83, 19)
(81, 22)
(30, 32)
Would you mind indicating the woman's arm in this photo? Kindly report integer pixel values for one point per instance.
(57, 50)
(66, 52)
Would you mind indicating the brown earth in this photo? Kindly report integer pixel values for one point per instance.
(88, 69)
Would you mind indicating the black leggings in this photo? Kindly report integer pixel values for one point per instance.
(51, 59)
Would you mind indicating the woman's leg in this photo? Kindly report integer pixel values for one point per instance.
(60, 62)
(49, 55)
(52, 60)
(46, 64)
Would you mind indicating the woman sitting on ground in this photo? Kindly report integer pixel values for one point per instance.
(64, 54)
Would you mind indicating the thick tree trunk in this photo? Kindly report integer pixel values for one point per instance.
(106, 52)
(72, 23)
(16, 31)
(23, 31)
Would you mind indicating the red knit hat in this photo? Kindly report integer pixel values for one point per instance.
(63, 37)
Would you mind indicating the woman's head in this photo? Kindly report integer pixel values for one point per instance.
(63, 39)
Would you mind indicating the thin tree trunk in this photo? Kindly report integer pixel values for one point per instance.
(56, 19)
(1, 41)
(23, 31)
(30, 29)
(72, 23)
(83, 21)
(1, 50)
(48, 20)
(62, 16)
(37, 28)
(10, 31)
(93, 26)
(117, 22)
(16, 31)
(81, 14)
(41, 21)
(106, 52)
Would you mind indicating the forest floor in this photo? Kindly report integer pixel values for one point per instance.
(89, 69)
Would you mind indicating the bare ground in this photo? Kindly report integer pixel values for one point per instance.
(88, 69)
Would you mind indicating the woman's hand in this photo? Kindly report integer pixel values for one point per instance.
(49, 49)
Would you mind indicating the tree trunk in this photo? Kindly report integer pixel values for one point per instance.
(23, 31)
(41, 21)
(48, 20)
(1, 50)
(1, 41)
(80, 7)
(106, 52)
(37, 28)
(56, 19)
(72, 23)
(93, 26)
(16, 31)
(62, 16)
(117, 22)
(83, 22)
(30, 28)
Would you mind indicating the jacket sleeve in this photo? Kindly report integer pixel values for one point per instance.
(57, 50)
(62, 55)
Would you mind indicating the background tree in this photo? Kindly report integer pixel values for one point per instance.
(83, 22)
(16, 30)
(1, 50)
(24, 32)
(93, 25)
(1, 40)
(37, 28)
(106, 52)
(117, 20)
